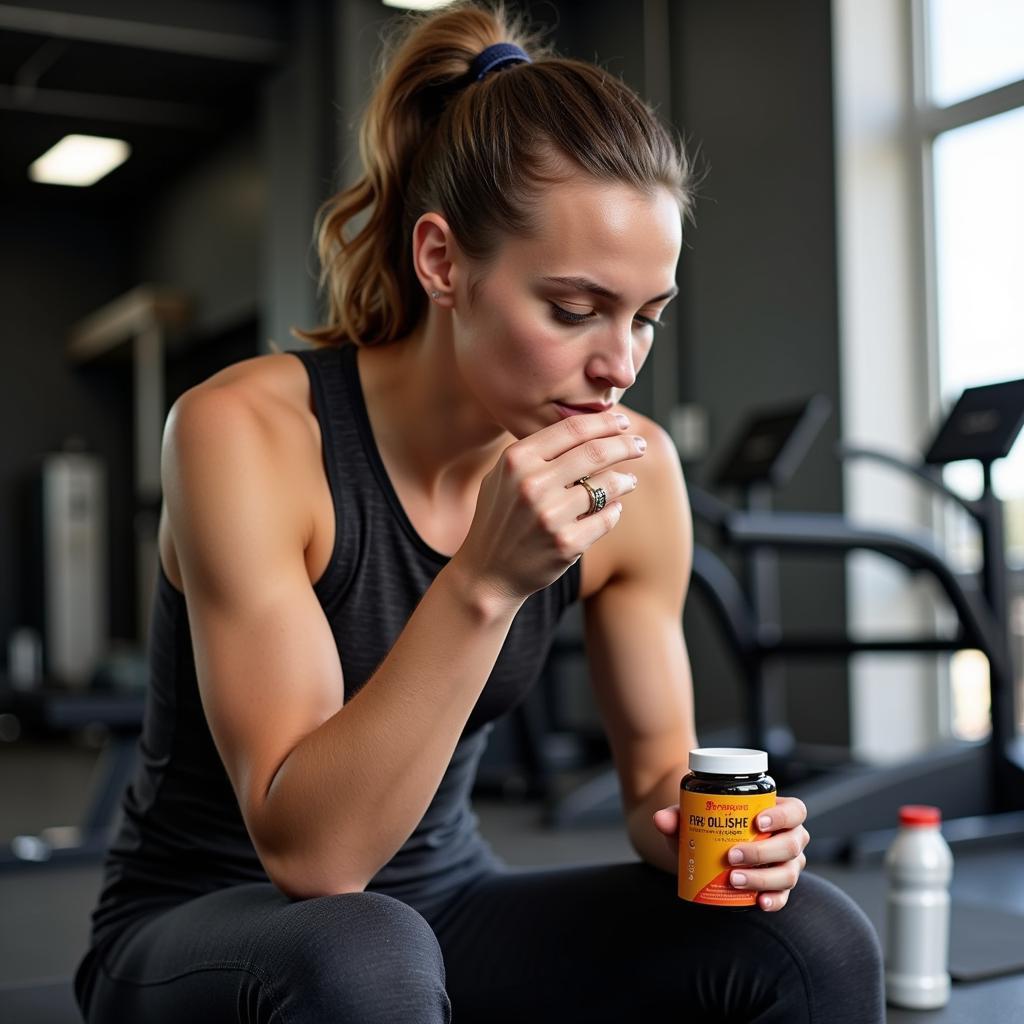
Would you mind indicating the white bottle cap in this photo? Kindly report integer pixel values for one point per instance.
(728, 760)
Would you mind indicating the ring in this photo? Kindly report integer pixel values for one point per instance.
(598, 498)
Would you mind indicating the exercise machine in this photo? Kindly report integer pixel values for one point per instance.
(978, 785)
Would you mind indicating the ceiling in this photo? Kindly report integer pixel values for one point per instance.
(170, 79)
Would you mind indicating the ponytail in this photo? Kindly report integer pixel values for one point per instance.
(475, 151)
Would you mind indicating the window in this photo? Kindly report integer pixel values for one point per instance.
(971, 125)
(973, 47)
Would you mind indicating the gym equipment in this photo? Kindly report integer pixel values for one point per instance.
(64, 571)
(144, 324)
(44, 1001)
(767, 451)
(764, 455)
(771, 445)
(979, 786)
(53, 711)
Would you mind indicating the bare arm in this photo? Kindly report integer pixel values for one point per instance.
(330, 790)
(636, 651)
(641, 674)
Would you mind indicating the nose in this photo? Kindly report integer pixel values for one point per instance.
(615, 360)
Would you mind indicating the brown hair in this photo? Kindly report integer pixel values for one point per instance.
(478, 153)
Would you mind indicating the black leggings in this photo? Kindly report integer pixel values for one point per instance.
(572, 945)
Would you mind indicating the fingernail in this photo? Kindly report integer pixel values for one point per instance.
(764, 822)
(641, 444)
(767, 903)
(738, 878)
(633, 478)
(735, 856)
(623, 421)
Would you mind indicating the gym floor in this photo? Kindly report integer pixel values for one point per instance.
(44, 922)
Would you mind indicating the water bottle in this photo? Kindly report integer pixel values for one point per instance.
(24, 659)
(919, 864)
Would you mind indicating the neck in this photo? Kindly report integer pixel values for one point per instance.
(434, 432)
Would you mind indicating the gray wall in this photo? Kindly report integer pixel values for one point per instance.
(64, 256)
(204, 235)
(756, 323)
(298, 152)
(59, 260)
(753, 88)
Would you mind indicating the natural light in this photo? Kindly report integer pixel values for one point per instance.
(974, 46)
(979, 267)
(979, 223)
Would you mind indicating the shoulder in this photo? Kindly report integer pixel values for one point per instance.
(655, 529)
(271, 390)
(261, 380)
(661, 457)
(659, 473)
(252, 416)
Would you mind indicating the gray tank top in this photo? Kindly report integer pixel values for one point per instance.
(181, 832)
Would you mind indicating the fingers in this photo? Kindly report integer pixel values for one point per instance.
(528, 524)
(564, 436)
(584, 445)
(773, 879)
(788, 812)
(614, 485)
(771, 884)
(593, 456)
(667, 820)
(590, 527)
(787, 846)
(773, 901)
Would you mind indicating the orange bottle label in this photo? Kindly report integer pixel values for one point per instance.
(710, 825)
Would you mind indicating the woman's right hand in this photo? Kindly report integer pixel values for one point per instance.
(531, 519)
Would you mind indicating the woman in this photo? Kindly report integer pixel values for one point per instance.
(365, 550)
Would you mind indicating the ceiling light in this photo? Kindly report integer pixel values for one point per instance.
(79, 160)
(417, 5)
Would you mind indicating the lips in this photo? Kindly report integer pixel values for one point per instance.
(586, 406)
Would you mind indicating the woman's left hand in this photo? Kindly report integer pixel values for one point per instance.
(772, 866)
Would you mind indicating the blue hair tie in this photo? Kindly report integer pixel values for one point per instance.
(496, 56)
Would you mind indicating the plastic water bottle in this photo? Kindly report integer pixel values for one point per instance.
(919, 864)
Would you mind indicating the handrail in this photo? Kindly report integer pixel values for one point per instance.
(803, 531)
(849, 452)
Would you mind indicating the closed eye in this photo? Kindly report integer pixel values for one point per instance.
(649, 320)
(565, 316)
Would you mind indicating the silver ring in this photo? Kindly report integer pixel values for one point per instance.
(598, 497)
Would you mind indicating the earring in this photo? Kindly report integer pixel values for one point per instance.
(435, 294)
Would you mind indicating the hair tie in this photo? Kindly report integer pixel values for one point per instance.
(495, 56)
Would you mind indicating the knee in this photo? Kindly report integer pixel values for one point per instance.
(839, 948)
(854, 941)
(365, 956)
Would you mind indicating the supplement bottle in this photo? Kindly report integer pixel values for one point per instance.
(919, 864)
(719, 801)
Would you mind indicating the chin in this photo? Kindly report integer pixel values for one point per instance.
(525, 425)
(521, 419)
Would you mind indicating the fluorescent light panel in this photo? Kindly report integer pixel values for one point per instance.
(79, 160)
(416, 5)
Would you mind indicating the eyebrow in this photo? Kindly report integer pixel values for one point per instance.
(583, 284)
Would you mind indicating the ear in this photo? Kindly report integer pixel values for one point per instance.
(433, 256)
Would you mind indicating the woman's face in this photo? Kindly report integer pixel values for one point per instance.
(531, 342)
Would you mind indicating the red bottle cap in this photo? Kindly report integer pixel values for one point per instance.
(920, 814)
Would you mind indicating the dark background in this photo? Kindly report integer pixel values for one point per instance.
(241, 126)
